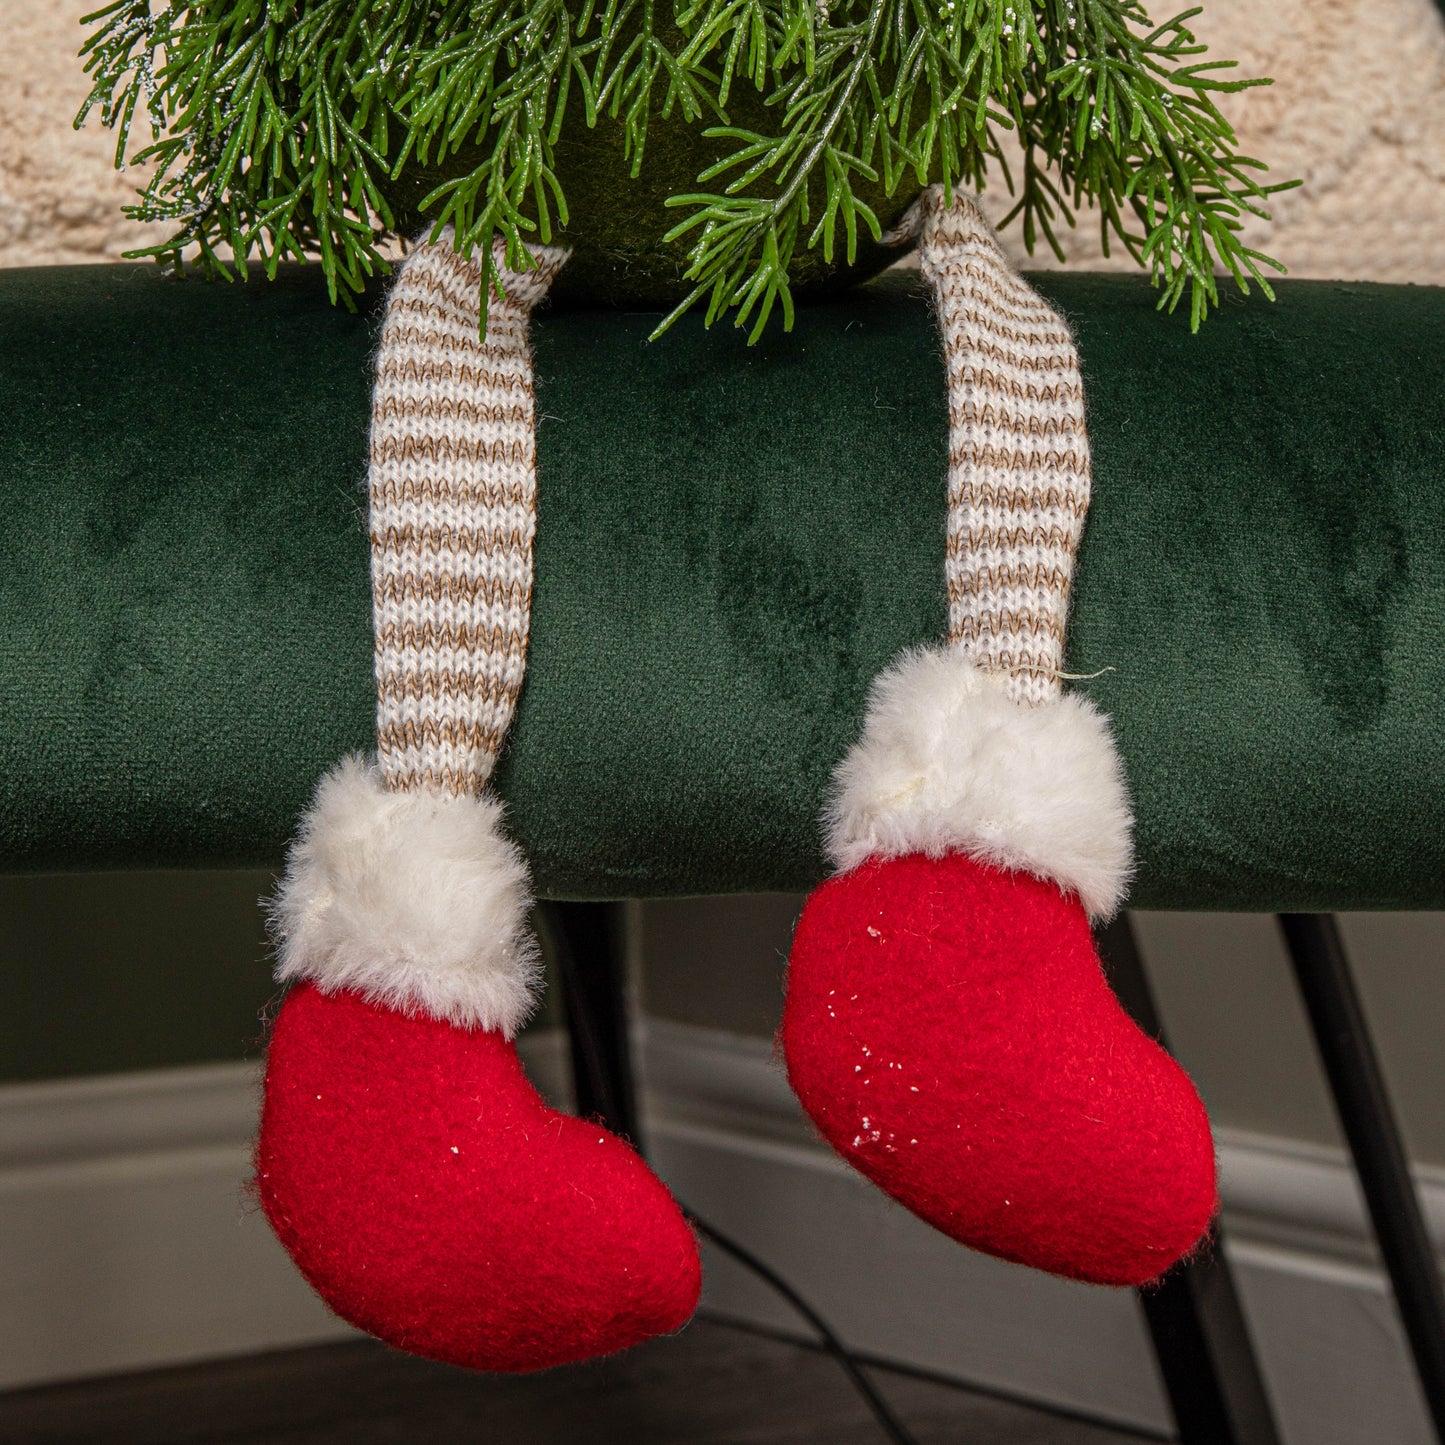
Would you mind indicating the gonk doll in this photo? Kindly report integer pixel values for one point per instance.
(947, 1024)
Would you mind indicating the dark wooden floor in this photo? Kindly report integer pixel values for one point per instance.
(712, 1385)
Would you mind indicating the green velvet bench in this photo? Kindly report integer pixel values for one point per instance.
(731, 544)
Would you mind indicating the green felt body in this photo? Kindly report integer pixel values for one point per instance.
(731, 543)
(617, 223)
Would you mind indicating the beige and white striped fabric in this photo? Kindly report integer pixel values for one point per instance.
(1018, 472)
(453, 483)
(453, 489)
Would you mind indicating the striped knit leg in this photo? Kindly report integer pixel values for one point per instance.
(416, 1177)
(948, 1025)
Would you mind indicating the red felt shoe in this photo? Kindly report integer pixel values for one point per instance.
(415, 1176)
(948, 1026)
(433, 1199)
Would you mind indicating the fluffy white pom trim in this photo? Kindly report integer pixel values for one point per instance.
(414, 900)
(949, 764)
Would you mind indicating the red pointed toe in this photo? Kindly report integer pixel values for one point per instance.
(951, 1032)
(433, 1199)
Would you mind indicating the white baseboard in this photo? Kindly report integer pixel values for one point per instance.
(727, 1133)
(128, 1242)
(126, 1237)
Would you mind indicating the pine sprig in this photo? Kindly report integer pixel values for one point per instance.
(276, 127)
(1108, 112)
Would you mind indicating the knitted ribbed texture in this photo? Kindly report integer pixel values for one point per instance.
(1018, 468)
(453, 513)
(969, 746)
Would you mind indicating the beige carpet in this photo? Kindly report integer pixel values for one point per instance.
(1358, 111)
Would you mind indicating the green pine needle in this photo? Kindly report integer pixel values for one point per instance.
(274, 126)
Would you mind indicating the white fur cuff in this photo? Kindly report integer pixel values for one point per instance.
(414, 900)
(948, 763)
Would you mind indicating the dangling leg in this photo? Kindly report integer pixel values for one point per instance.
(948, 1025)
(416, 1177)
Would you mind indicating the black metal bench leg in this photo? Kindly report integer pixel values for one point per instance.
(1323, 972)
(587, 943)
(1200, 1335)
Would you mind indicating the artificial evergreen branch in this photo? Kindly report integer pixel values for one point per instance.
(275, 125)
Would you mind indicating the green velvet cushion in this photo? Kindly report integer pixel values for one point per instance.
(732, 542)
